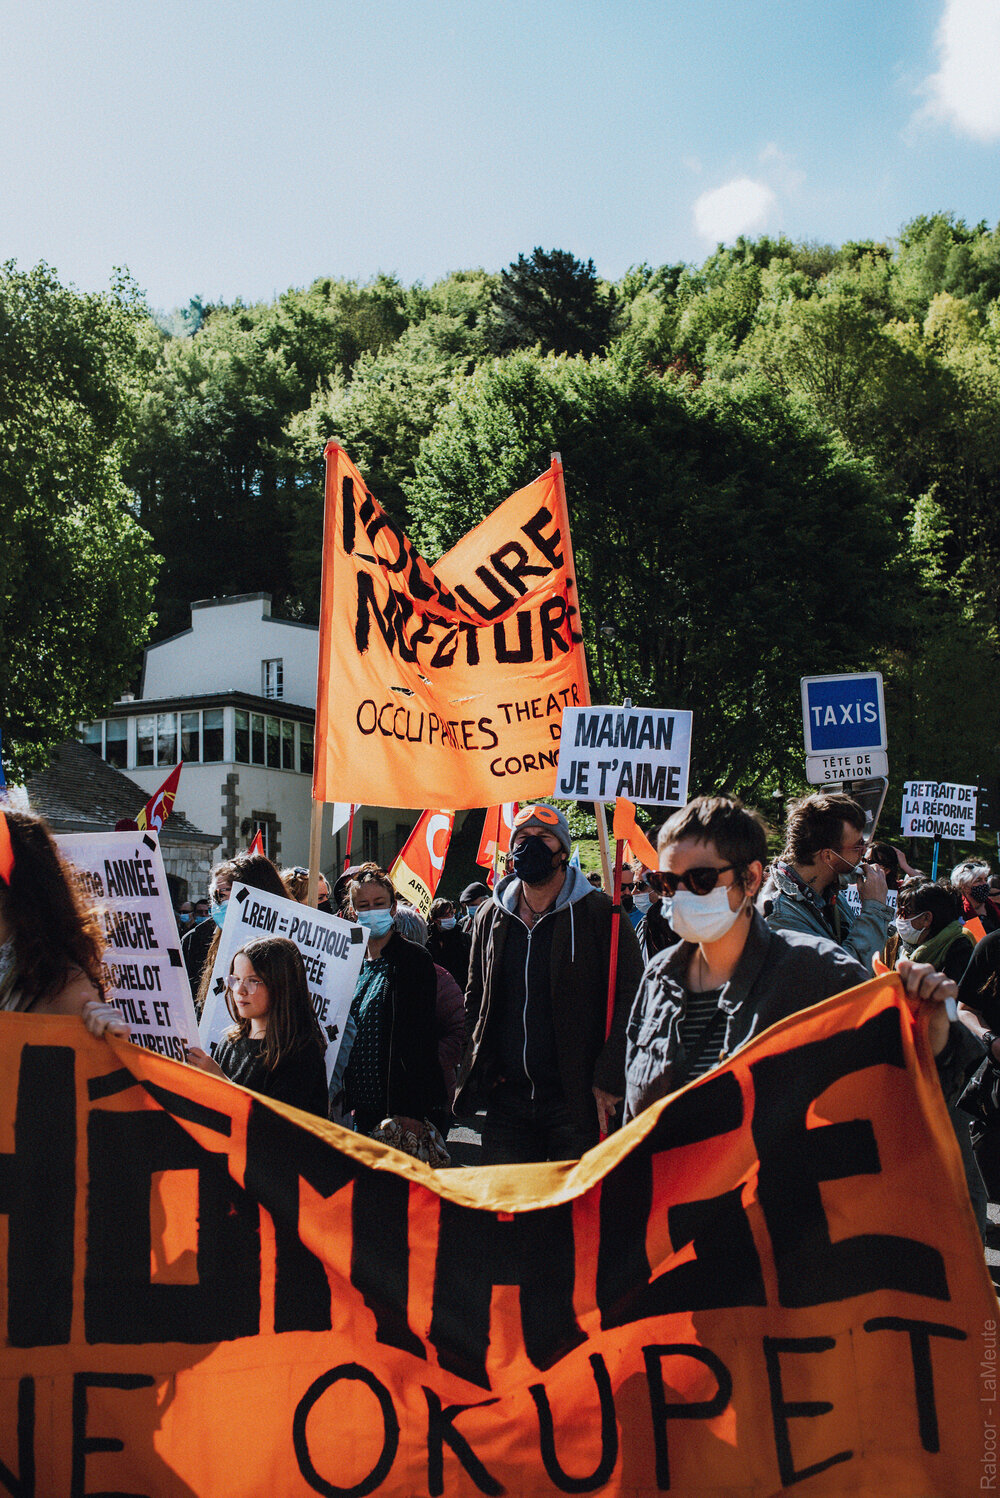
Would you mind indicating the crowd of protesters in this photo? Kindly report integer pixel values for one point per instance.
(497, 1006)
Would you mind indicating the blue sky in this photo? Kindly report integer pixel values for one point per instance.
(234, 149)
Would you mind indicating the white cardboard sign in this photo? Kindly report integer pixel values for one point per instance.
(641, 753)
(939, 808)
(144, 972)
(332, 951)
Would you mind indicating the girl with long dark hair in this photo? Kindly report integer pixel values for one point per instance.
(51, 940)
(275, 1046)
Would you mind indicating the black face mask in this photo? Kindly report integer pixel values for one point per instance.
(628, 900)
(533, 861)
(980, 893)
(325, 906)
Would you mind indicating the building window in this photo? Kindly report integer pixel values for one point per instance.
(93, 734)
(272, 679)
(190, 737)
(273, 736)
(369, 840)
(306, 748)
(166, 739)
(242, 750)
(287, 745)
(256, 739)
(145, 731)
(116, 742)
(211, 735)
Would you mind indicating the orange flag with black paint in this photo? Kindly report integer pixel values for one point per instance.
(444, 686)
(770, 1282)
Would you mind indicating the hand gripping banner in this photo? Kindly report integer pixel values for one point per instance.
(444, 687)
(770, 1282)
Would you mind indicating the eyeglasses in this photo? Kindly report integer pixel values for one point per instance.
(698, 881)
(249, 985)
(544, 814)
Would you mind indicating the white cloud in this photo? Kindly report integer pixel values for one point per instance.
(737, 207)
(965, 91)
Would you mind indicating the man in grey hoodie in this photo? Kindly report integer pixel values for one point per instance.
(538, 1058)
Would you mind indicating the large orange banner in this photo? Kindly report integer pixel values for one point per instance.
(445, 686)
(771, 1282)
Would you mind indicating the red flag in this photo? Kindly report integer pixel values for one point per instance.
(417, 870)
(6, 851)
(158, 808)
(257, 846)
(495, 841)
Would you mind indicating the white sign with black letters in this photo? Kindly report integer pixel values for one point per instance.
(144, 973)
(939, 808)
(641, 753)
(332, 950)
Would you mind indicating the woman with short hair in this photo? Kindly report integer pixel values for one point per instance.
(730, 975)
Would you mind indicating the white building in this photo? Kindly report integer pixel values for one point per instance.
(234, 698)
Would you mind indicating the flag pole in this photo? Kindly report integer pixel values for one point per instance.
(325, 612)
(555, 460)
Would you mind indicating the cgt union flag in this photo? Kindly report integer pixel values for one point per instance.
(418, 868)
(444, 687)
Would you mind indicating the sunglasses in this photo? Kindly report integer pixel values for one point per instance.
(543, 814)
(698, 881)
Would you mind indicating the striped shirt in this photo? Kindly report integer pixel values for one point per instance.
(702, 1032)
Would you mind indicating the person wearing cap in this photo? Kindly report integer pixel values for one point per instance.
(472, 896)
(539, 1059)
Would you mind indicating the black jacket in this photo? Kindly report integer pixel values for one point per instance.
(578, 987)
(415, 1085)
(779, 973)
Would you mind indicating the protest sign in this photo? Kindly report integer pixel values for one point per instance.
(444, 687)
(332, 952)
(939, 808)
(144, 972)
(853, 898)
(643, 754)
(416, 872)
(769, 1281)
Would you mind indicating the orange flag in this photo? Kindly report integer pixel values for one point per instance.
(418, 868)
(444, 686)
(976, 927)
(257, 846)
(627, 828)
(158, 808)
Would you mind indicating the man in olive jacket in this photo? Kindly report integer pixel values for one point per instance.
(536, 1003)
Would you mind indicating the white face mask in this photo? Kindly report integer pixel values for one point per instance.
(909, 933)
(702, 917)
(641, 902)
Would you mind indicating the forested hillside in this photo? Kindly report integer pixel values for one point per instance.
(784, 460)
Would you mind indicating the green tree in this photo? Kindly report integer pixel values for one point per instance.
(724, 547)
(554, 300)
(76, 570)
(216, 478)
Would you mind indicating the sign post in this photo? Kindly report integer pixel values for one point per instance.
(843, 722)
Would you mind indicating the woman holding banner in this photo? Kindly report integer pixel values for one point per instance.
(51, 943)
